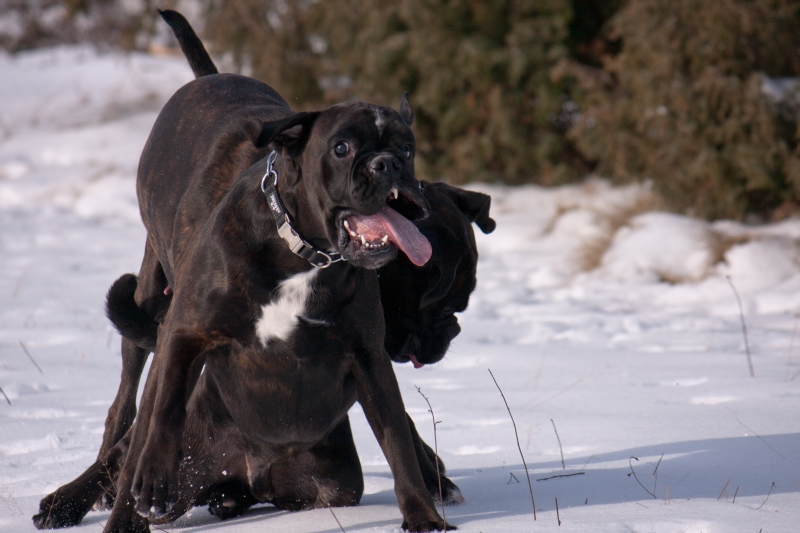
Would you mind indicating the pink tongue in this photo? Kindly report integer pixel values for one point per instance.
(399, 229)
(417, 364)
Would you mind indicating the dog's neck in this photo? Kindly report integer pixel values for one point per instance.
(296, 243)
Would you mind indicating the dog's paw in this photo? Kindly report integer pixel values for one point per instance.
(155, 484)
(450, 492)
(426, 526)
(104, 502)
(126, 523)
(56, 512)
(229, 501)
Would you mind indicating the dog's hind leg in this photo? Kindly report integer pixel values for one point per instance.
(123, 410)
(328, 475)
(124, 518)
(135, 305)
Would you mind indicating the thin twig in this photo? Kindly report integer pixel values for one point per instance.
(561, 475)
(527, 475)
(655, 472)
(667, 497)
(756, 434)
(723, 489)
(684, 477)
(735, 493)
(512, 477)
(558, 515)
(436, 453)
(11, 496)
(643, 505)
(31, 357)
(744, 326)
(563, 466)
(587, 462)
(765, 501)
(788, 497)
(637, 477)
(337, 520)
(6, 395)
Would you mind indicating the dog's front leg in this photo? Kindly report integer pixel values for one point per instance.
(155, 482)
(379, 395)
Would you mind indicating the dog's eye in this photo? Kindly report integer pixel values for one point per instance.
(341, 149)
(407, 151)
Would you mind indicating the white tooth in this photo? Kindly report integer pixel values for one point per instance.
(385, 239)
(394, 192)
(363, 240)
(346, 226)
(353, 233)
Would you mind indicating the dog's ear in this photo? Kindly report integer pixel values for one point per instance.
(289, 135)
(439, 284)
(474, 205)
(406, 111)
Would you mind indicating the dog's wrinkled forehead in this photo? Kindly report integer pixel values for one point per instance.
(368, 123)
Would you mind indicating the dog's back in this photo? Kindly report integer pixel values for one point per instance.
(207, 134)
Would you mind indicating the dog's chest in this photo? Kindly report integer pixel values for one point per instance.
(281, 316)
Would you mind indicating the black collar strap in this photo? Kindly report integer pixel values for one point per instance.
(296, 244)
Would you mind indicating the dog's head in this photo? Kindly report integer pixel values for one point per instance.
(419, 303)
(347, 181)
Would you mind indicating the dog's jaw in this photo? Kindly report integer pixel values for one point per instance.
(371, 241)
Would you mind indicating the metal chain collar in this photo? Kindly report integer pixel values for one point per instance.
(296, 244)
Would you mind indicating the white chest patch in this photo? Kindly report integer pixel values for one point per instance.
(280, 317)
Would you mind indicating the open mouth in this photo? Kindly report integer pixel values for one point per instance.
(387, 230)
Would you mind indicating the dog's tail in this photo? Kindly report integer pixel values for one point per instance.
(190, 43)
(129, 319)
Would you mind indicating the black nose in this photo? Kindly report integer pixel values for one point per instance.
(384, 165)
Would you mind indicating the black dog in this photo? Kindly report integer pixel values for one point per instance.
(271, 259)
(443, 287)
(422, 300)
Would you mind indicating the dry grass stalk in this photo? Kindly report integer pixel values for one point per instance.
(561, 475)
(436, 453)
(563, 466)
(723, 490)
(558, 515)
(516, 434)
(337, 520)
(655, 472)
(767, 498)
(31, 358)
(5, 395)
(744, 327)
(633, 472)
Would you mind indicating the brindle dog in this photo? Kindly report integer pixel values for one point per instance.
(268, 226)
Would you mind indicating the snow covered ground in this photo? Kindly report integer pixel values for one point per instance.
(597, 314)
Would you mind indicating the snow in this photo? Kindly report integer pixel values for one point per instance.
(597, 314)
